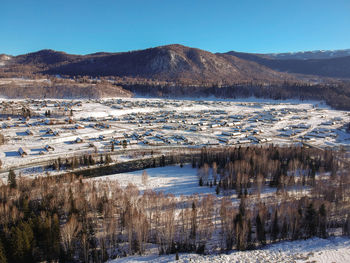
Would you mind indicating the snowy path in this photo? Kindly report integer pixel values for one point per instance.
(330, 250)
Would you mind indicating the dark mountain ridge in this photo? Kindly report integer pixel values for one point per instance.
(174, 63)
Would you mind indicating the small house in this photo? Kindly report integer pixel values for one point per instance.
(29, 132)
(78, 140)
(225, 140)
(48, 148)
(22, 152)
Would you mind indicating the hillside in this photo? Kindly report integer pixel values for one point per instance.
(174, 63)
(58, 88)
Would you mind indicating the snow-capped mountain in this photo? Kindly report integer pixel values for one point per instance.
(316, 54)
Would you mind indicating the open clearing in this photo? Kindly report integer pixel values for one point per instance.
(169, 180)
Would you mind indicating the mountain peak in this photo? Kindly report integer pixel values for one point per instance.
(4, 57)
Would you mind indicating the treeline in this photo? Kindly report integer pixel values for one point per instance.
(241, 168)
(70, 219)
(337, 95)
(80, 161)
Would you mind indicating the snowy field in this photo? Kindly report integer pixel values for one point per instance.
(169, 180)
(181, 181)
(336, 249)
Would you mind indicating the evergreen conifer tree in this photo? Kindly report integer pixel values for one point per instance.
(3, 258)
(311, 221)
(12, 179)
(275, 228)
(260, 230)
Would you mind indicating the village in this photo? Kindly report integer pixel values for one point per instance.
(36, 131)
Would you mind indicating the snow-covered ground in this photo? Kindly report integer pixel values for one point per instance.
(183, 181)
(335, 249)
(170, 180)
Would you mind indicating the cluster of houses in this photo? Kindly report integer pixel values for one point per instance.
(22, 151)
(165, 122)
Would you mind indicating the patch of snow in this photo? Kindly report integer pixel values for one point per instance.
(335, 250)
(169, 179)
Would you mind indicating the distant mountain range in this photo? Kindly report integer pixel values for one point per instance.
(334, 64)
(316, 54)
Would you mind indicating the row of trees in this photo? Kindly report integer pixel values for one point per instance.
(79, 161)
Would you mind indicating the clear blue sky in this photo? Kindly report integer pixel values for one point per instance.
(84, 26)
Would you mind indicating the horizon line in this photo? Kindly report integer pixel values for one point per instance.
(151, 47)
